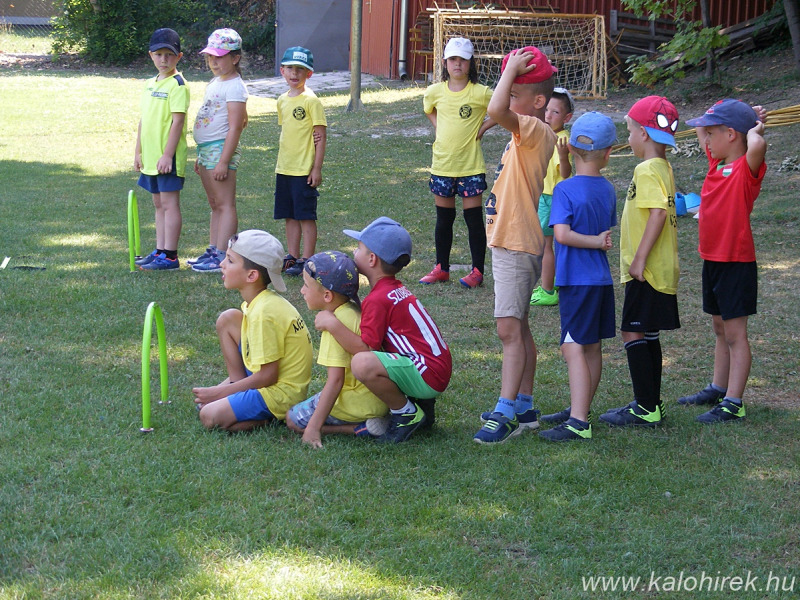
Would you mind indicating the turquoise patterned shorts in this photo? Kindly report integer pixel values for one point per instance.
(209, 153)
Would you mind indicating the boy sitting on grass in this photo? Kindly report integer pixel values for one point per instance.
(266, 346)
(345, 405)
(400, 355)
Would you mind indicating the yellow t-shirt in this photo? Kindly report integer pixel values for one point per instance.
(459, 116)
(273, 330)
(554, 167)
(355, 402)
(512, 221)
(160, 99)
(297, 117)
(652, 186)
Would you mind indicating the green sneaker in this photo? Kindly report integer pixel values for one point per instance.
(723, 412)
(541, 297)
(568, 431)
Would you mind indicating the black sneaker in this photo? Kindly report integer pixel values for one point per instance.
(568, 431)
(632, 415)
(297, 268)
(555, 418)
(706, 396)
(723, 412)
(402, 426)
(428, 406)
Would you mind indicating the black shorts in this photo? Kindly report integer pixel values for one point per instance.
(294, 198)
(646, 309)
(730, 290)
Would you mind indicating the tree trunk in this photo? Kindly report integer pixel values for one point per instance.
(705, 16)
(792, 8)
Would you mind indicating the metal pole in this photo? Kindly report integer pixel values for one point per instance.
(355, 103)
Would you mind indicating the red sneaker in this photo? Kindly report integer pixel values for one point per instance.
(436, 276)
(473, 280)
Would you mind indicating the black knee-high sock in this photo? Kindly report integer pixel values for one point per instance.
(641, 368)
(656, 357)
(443, 235)
(476, 229)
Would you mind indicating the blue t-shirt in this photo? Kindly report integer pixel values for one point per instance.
(589, 206)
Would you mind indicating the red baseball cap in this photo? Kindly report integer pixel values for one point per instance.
(658, 116)
(543, 71)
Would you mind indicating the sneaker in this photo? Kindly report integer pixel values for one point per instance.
(632, 414)
(473, 280)
(288, 261)
(556, 418)
(705, 396)
(402, 426)
(527, 420)
(723, 412)
(541, 297)
(568, 431)
(146, 260)
(428, 406)
(436, 276)
(161, 263)
(297, 268)
(209, 266)
(497, 429)
(372, 428)
(203, 257)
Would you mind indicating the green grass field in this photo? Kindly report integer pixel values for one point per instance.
(91, 508)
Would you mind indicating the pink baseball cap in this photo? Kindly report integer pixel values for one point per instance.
(543, 71)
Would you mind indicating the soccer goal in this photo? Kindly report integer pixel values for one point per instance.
(575, 44)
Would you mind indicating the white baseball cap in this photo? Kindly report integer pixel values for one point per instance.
(263, 249)
(458, 46)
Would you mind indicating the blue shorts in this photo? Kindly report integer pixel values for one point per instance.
(646, 309)
(155, 184)
(294, 198)
(587, 313)
(300, 414)
(249, 405)
(730, 290)
(209, 153)
(465, 187)
(545, 203)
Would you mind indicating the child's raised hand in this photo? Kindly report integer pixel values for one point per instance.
(761, 113)
(563, 148)
(757, 130)
(518, 62)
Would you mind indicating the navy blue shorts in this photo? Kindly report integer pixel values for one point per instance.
(587, 313)
(294, 198)
(155, 184)
(464, 187)
(730, 290)
(646, 309)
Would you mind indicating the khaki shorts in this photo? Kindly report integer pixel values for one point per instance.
(515, 275)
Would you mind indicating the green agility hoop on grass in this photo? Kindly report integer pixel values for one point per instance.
(134, 241)
(153, 311)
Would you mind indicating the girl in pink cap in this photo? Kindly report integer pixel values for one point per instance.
(217, 130)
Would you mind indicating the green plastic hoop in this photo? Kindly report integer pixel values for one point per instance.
(153, 312)
(134, 240)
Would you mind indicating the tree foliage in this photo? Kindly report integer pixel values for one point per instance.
(118, 31)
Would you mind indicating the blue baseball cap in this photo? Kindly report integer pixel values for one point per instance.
(385, 237)
(335, 271)
(593, 131)
(297, 55)
(731, 113)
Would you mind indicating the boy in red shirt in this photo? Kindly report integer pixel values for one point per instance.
(732, 134)
(400, 355)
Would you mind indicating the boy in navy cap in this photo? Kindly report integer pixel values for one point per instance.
(583, 212)
(732, 134)
(400, 355)
(345, 405)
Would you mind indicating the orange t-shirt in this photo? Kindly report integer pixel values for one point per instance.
(512, 220)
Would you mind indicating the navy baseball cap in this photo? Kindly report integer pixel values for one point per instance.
(336, 272)
(593, 131)
(385, 237)
(730, 113)
(165, 38)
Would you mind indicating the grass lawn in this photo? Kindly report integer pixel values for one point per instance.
(92, 508)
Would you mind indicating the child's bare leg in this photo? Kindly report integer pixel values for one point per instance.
(594, 358)
(369, 370)
(580, 380)
(159, 210)
(208, 182)
(548, 265)
(293, 237)
(740, 356)
(309, 232)
(220, 414)
(170, 204)
(227, 219)
(229, 331)
(519, 357)
(722, 357)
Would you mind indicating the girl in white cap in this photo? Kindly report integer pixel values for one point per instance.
(457, 109)
(217, 130)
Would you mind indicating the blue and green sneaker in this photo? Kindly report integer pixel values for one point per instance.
(632, 415)
(723, 412)
(568, 431)
(497, 429)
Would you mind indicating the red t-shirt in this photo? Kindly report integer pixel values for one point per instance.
(393, 320)
(726, 202)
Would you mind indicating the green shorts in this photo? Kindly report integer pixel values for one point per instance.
(545, 203)
(405, 375)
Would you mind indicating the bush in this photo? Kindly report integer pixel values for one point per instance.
(118, 31)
